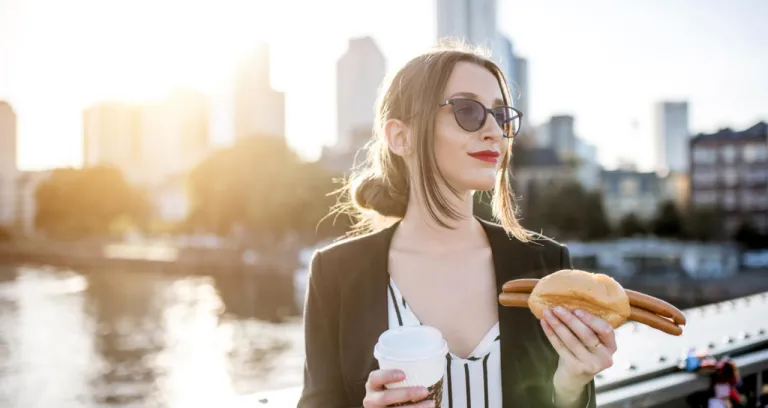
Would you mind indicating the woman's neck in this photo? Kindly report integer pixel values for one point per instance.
(419, 232)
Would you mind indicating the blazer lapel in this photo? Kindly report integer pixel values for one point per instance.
(512, 259)
(364, 309)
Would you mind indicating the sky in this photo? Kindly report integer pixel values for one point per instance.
(603, 61)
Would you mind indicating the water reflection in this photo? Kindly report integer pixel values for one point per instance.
(126, 338)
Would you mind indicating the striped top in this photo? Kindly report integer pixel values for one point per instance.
(474, 381)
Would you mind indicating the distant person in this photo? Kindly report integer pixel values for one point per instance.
(444, 129)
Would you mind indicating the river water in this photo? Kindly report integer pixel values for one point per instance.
(116, 338)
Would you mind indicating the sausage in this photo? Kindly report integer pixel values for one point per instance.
(653, 320)
(514, 299)
(520, 286)
(655, 305)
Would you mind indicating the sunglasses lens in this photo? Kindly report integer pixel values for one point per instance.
(469, 114)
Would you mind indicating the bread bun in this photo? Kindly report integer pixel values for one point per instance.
(572, 289)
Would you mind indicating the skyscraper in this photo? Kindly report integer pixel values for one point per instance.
(259, 110)
(359, 73)
(520, 91)
(8, 152)
(148, 142)
(8, 164)
(672, 136)
(175, 134)
(112, 136)
(471, 20)
(507, 61)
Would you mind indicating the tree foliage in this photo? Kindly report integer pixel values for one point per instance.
(668, 222)
(259, 185)
(76, 203)
(565, 211)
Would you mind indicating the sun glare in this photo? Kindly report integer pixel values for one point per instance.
(70, 55)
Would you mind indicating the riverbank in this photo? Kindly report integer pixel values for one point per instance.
(156, 257)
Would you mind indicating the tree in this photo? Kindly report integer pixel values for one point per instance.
(749, 237)
(630, 225)
(704, 223)
(668, 222)
(76, 203)
(261, 185)
(566, 211)
(597, 223)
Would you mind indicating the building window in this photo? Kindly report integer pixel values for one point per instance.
(759, 200)
(746, 199)
(705, 198)
(704, 155)
(729, 154)
(628, 186)
(704, 177)
(754, 153)
(755, 175)
(730, 176)
(729, 200)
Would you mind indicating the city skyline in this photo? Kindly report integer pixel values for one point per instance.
(707, 55)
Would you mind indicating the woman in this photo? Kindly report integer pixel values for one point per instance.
(444, 130)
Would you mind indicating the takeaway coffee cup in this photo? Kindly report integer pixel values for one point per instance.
(419, 351)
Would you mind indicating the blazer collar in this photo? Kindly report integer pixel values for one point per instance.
(364, 304)
(364, 314)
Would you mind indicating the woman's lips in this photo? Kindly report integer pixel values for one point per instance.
(488, 156)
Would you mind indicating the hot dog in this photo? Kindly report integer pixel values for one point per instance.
(514, 299)
(520, 286)
(655, 305)
(653, 320)
(638, 299)
(637, 314)
(598, 294)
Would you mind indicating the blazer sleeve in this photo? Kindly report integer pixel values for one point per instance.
(323, 382)
(589, 400)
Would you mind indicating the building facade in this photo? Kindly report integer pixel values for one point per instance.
(359, 74)
(112, 135)
(473, 21)
(628, 192)
(729, 171)
(8, 164)
(672, 135)
(259, 110)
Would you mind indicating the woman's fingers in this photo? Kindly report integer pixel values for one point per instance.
(393, 396)
(378, 396)
(598, 326)
(379, 378)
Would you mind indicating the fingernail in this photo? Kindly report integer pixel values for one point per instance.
(559, 310)
(579, 312)
(547, 313)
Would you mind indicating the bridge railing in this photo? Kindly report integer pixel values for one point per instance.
(645, 371)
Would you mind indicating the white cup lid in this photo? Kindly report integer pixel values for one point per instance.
(408, 343)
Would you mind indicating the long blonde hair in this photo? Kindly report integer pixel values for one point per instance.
(377, 192)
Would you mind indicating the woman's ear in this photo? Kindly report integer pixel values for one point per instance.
(398, 137)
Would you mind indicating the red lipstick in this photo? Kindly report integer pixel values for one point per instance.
(489, 156)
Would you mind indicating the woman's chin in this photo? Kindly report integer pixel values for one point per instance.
(481, 185)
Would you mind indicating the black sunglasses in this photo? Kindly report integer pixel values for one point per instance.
(471, 115)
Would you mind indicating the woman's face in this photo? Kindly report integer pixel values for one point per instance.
(469, 160)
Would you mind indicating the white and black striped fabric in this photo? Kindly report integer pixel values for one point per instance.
(474, 381)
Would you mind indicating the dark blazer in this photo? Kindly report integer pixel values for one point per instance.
(346, 311)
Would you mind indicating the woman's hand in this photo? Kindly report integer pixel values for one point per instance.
(585, 344)
(377, 396)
